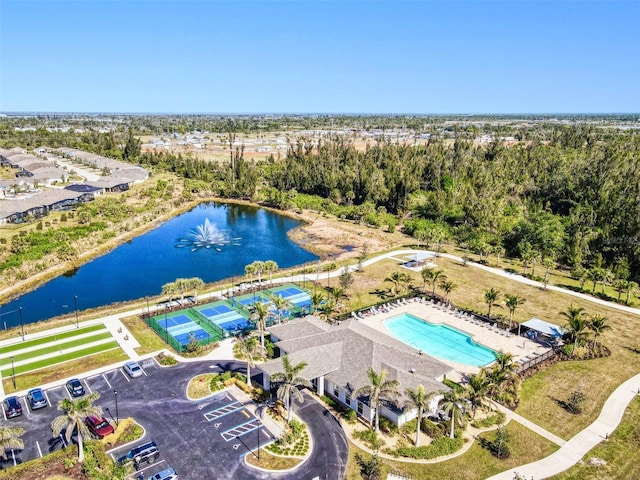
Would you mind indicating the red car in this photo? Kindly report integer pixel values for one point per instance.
(100, 427)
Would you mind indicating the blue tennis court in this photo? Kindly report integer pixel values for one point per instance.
(295, 296)
(181, 328)
(250, 300)
(225, 317)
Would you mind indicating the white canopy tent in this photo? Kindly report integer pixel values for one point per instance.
(543, 327)
(421, 256)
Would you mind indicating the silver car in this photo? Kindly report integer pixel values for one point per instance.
(36, 399)
(133, 369)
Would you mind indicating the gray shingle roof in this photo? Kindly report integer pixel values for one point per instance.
(345, 352)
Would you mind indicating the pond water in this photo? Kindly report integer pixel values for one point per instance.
(213, 241)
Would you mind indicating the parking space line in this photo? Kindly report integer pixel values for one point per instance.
(242, 429)
(126, 377)
(155, 464)
(26, 404)
(39, 451)
(47, 397)
(105, 379)
(4, 415)
(222, 411)
(63, 441)
(13, 455)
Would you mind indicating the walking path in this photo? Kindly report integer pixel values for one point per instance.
(572, 451)
(511, 415)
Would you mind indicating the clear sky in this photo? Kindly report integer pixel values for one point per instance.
(333, 57)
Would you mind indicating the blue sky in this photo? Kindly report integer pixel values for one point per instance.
(334, 57)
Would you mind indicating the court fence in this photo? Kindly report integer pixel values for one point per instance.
(215, 335)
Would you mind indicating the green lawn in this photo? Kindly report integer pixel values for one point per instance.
(40, 341)
(620, 453)
(65, 357)
(475, 464)
(58, 347)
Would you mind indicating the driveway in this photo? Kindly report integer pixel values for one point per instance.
(205, 439)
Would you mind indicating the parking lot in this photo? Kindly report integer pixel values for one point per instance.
(184, 430)
(200, 439)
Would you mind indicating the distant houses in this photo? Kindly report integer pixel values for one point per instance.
(41, 186)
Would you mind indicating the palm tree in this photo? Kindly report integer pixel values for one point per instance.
(476, 390)
(259, 268)
(9, 440)
(418, 398)
(396, 279)
(447, 287)
(248, 349)
(328, 309)
(575, 324)
(597, 324)
(195, 284)
(270, 267)
(513, 301)
(380, 389)
(451, 405)
(250, 271)
(289, 381)
(259, 315)
(281, 305)
(337, 293)
(316, 299)
(169, 289)
(491, 298)
(607, 277)
(434, 277)
(75, 411)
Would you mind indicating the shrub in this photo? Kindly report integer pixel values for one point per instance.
(369, 437)
(438, 448)
(575, 401)
(369, 468)
(387, 426)
(434, 430)
(495, 419)
(351, 416)
(166, 360)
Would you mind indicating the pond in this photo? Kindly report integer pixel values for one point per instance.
(212, 241)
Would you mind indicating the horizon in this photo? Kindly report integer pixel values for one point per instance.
(351, 57)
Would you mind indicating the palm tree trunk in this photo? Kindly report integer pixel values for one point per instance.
(418, 427)
(80, 447)
(453, 418)
(289, 408)
(376, 419)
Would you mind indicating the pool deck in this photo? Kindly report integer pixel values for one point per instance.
(519, 347)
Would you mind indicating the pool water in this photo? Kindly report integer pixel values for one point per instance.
(439, 341)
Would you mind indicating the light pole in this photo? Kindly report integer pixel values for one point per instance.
(21, 324)
(13, 373)
(75, 304)
(115, 394)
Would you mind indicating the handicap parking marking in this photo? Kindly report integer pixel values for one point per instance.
(222, 411)
(241, 429)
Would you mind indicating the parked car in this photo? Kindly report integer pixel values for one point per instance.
(12, 407)
(100, 427)
(166, 474)
(36, 399)
(146, 453)
(133, 369)
(75, 388)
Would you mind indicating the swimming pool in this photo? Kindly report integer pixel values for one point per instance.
(440, 341)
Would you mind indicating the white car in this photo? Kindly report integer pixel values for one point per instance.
(168, 474)
(133, 369)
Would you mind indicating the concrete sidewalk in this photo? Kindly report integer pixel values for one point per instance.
(572, 451)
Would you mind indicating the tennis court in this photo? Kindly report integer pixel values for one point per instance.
(294, 295)
(181, 327)
(250, 299)
(224, 316)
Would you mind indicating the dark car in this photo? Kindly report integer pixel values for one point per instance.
(166, 474)
(100, 427)
(146, 453)
(75, 388)
(36, 399)
(12, 407)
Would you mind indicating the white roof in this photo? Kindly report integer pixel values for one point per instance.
(417, 257)
(544, 327)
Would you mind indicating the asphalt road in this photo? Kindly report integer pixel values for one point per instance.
(203, 440)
